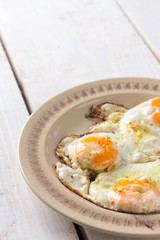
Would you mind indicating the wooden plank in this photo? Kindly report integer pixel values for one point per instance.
(63, 44)
(102, 236)
(22, 214)
(55, 45)
(145, 17)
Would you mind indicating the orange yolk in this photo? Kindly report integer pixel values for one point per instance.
(131, 195)
(156, 102)
(156, 116)
(128, 189)
(96, 153)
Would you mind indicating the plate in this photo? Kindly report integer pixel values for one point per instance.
(64, 115)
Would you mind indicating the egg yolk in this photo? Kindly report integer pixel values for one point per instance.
(96, 153)
(156, 116)
(129, 190)
(156, 102)
(133, 196)
(132, 186)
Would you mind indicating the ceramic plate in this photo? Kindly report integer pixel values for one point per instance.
(64, 115)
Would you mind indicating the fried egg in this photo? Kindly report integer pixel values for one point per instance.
(95, 152)
(109, 125)
(102, 111)
(140, 131)
(134, 196)
(116, 165)
(104, 182)
(75, 180)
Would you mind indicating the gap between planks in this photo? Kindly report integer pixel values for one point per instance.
(15, 75)
(76, 226)
(146, 42)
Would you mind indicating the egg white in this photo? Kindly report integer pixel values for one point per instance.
(137, 138)
(68, 145)
(107, 109)
(73, 179)
(140, 136)
(103, 111)
(108, 126)
(148, 172)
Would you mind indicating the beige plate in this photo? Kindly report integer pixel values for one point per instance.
(64, 115)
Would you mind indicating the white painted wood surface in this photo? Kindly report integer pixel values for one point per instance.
(144, 15)
(55, 45)
(103, 236)
(22, 214)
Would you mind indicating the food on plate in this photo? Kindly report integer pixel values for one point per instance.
(111, 115)
(146, 172)
(76, 180)
(134, 196)
(102, 111)
(116, 164)
(140, 131)
(110, 125)
(95, 152)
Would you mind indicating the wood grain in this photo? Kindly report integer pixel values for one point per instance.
(102, 236)
(145, 17)
(22, 214)
(55, 45)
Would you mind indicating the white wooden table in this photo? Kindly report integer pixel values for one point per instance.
(46, 47)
